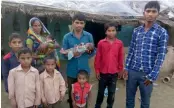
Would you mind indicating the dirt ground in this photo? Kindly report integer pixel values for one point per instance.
(162, 97)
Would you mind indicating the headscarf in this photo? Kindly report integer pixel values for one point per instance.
(31, 32)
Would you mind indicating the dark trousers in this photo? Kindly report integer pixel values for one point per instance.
(106, 80)
(136, 79)
(55, 105)
(70, 82)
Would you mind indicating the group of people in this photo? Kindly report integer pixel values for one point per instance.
(31, 70)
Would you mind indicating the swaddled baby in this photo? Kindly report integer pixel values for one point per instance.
(81, 48)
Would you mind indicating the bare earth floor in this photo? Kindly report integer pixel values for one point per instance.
(162, 97)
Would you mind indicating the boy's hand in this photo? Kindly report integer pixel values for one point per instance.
(61, 98)
(13, 103)
(45, 103)
(147, 82)
(89, 104)
(62, 51)
(76, 54)
(90, 48)
(98, 76)
(125, 75)
(120, 75)
(74, 104)
(35, 106)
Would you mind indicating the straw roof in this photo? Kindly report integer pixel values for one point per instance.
(102, 15)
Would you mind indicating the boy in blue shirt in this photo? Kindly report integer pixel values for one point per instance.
(10, 60)
(79, 60)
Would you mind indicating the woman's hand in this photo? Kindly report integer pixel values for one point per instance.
(43, 47)
(50, 51)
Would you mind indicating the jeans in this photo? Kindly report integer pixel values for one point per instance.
(108, 80)
(136, 79)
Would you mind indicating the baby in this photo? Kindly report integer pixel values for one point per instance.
(81, 48)
(51, 45)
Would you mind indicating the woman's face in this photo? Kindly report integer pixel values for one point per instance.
(37, 27)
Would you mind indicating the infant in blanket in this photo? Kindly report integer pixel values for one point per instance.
(81, 48)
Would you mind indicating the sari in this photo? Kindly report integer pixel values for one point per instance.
(35, 41)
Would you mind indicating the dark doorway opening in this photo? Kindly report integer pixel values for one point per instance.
(97, 30)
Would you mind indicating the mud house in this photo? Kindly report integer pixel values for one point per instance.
(56, 15)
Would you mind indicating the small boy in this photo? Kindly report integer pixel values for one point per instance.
(81, 90)
(10, 60)
(52, 84)
(23, 82)
(108, 64)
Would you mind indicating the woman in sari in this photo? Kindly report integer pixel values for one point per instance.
(37, 42)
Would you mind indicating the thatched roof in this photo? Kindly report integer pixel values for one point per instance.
(60, 13)
(101, 12)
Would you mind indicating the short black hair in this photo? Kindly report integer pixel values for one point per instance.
(79, 16)
(48, 58)
(112, 24)
(83, 72)
(24, 51)
(15, 36)
(152, 4)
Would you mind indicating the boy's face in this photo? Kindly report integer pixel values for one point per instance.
(37, 27)
(25, 59)
(78, 25)
(111, 32)
(151, 14)
(16, 44)
(82, 79)
(50, 65)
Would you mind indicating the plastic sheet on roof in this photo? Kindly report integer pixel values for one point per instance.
(104, 7)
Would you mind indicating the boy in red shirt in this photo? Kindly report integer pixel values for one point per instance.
(108, 64)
